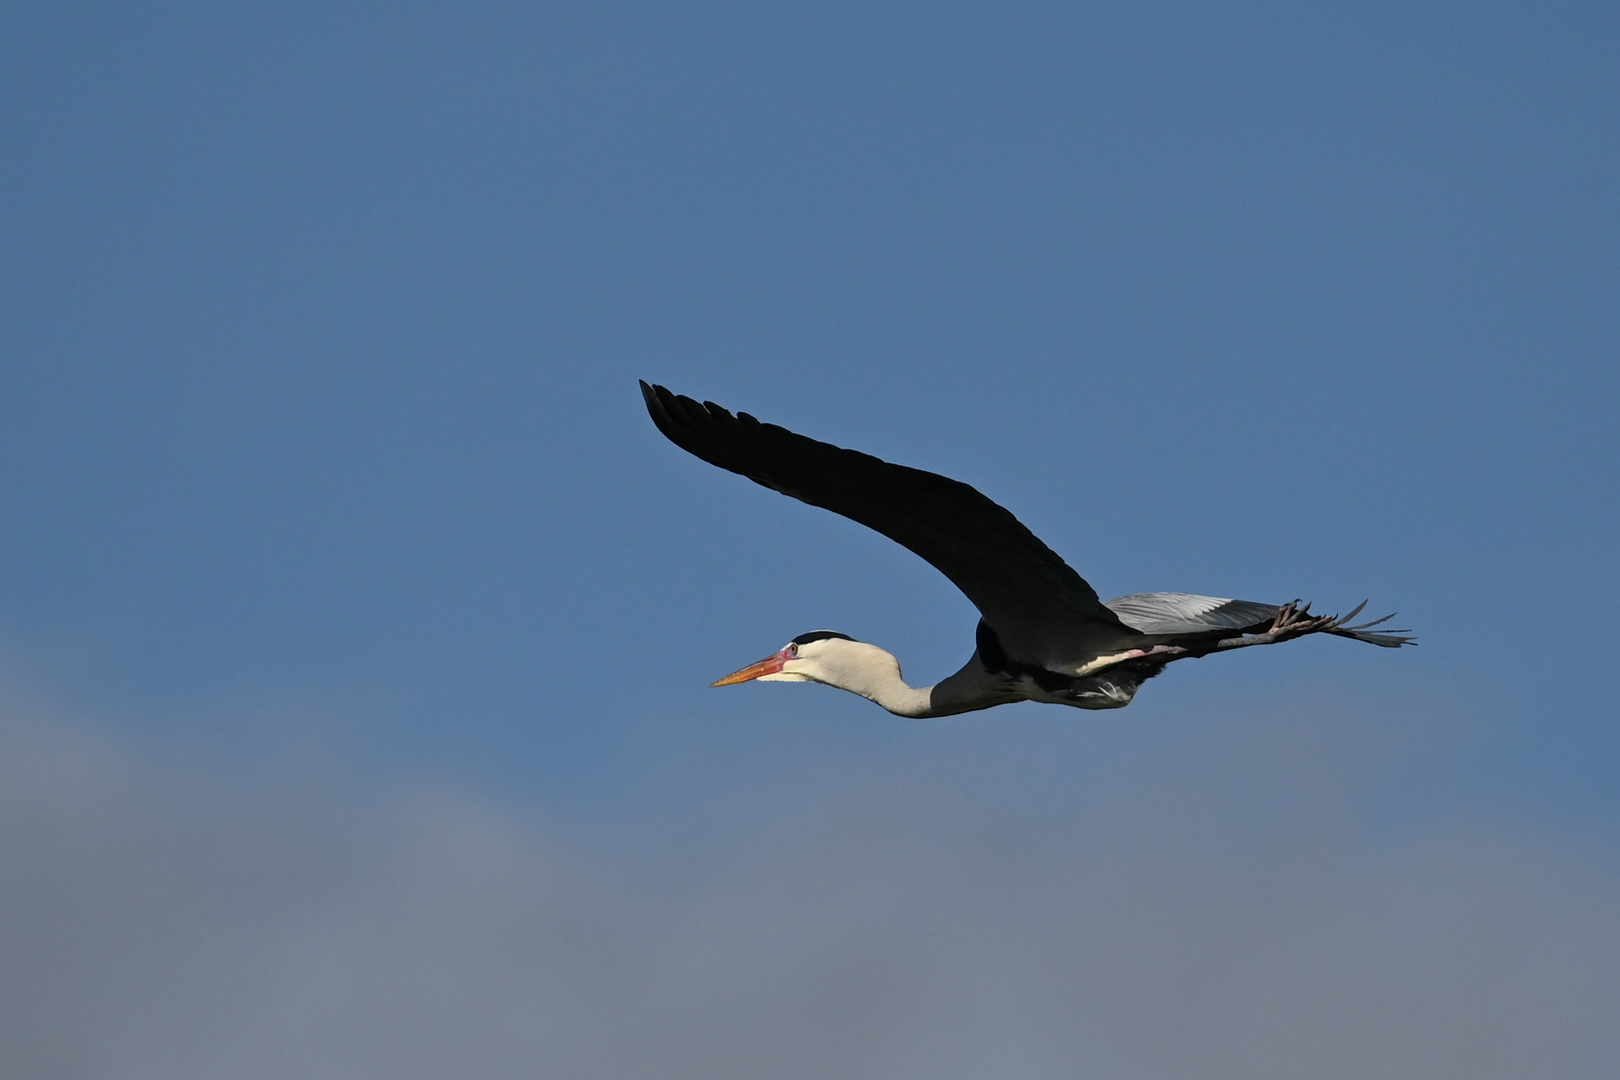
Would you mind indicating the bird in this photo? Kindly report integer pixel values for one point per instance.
(1043, 634)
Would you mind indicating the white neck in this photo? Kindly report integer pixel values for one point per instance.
(894, 695)
(874, 674)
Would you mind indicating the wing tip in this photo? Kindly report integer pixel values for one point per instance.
(658, 401)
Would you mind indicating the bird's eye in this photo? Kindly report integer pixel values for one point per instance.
(792, 649)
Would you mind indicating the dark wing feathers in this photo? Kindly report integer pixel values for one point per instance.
(1042, 611)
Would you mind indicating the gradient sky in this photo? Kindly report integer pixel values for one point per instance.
(324, 462)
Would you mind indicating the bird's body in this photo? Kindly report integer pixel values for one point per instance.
(1044, 634)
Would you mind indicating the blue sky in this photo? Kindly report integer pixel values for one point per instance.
(323, 447)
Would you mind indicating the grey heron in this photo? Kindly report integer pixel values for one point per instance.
(1043, 635)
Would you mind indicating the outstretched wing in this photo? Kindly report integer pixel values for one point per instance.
(1042, 611)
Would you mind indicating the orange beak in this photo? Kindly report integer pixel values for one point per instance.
(768, 666)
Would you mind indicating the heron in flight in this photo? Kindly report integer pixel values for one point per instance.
(1043, 634)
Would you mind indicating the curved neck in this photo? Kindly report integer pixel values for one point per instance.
(970, 689)
(894, 695)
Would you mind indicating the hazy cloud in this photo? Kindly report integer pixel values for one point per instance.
(1218, 911)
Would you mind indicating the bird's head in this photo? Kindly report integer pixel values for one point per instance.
(823, 656)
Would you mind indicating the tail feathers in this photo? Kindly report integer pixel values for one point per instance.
(1389, 639)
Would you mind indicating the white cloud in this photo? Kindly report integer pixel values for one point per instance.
(1218, 911)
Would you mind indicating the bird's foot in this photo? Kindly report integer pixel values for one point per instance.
(1294, 619)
